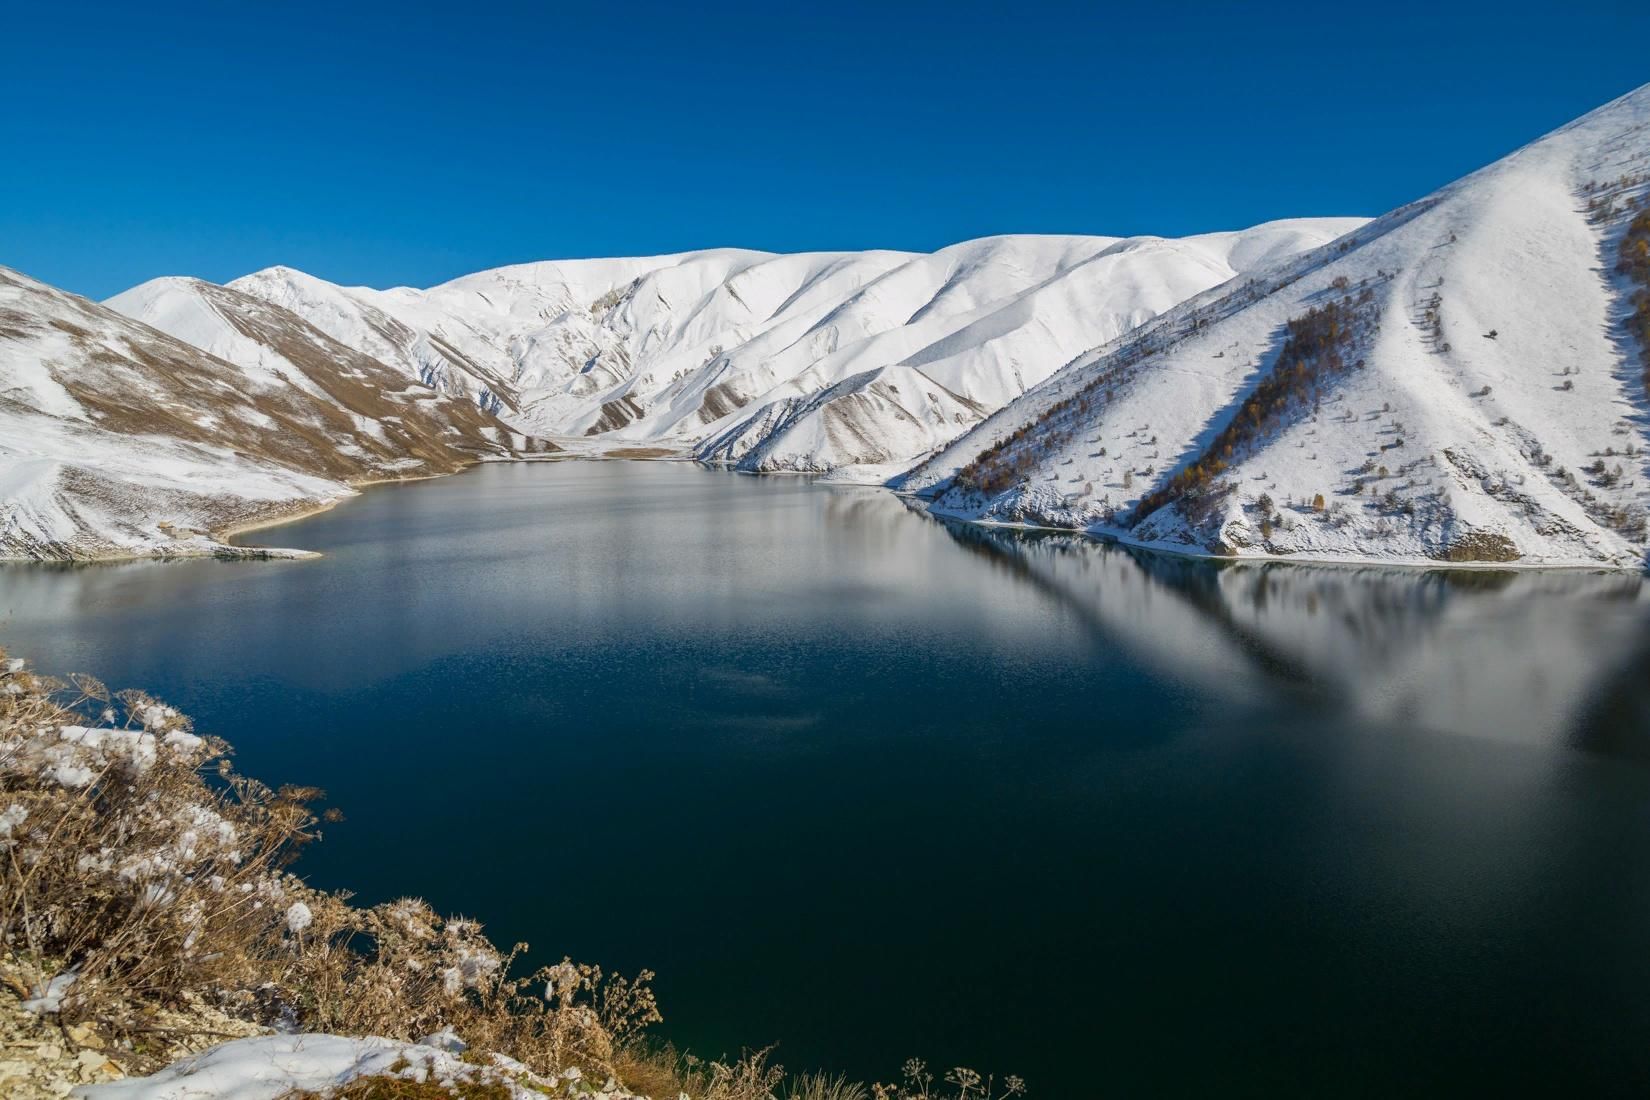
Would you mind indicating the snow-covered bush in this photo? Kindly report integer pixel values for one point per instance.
(121, 860)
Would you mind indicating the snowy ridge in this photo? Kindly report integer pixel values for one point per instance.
(1458, 386)
(900, 394)
(812, 361)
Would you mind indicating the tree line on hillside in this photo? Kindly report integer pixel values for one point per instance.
(1634, 262)
(1315, 351)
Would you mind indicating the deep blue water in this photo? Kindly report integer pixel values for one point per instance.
(873, 787)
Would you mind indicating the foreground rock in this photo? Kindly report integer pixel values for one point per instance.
(41, 1059)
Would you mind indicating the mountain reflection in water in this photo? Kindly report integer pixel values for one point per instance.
(1550, 657)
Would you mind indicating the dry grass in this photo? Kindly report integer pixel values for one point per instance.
(820, 1086)
(641, 452)
(121, 860)
(401, 1088)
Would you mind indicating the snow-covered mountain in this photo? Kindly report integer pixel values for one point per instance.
(117, 439)
(181, 409)
(811, 361)
(932, 347)
(1460, 380)
(1463, 379)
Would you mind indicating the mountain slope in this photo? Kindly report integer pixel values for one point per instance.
(807, 361)
(376, 323)
(897, 394)
(117, 439)
(1455, 381)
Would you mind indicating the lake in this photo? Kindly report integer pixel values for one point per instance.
(874, 787)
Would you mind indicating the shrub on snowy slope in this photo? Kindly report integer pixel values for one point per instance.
(1317, 351)
(1634, 263)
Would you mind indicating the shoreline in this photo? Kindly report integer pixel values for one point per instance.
(1408, 564)
(223, 546)
(225, 534)
(233, 531)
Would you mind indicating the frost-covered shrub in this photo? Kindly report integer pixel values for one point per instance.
(121, 859)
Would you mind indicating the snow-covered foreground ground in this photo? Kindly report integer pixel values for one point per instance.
(273, 1066)
(1452, 382)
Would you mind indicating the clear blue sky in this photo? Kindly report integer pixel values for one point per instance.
(405, 143)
